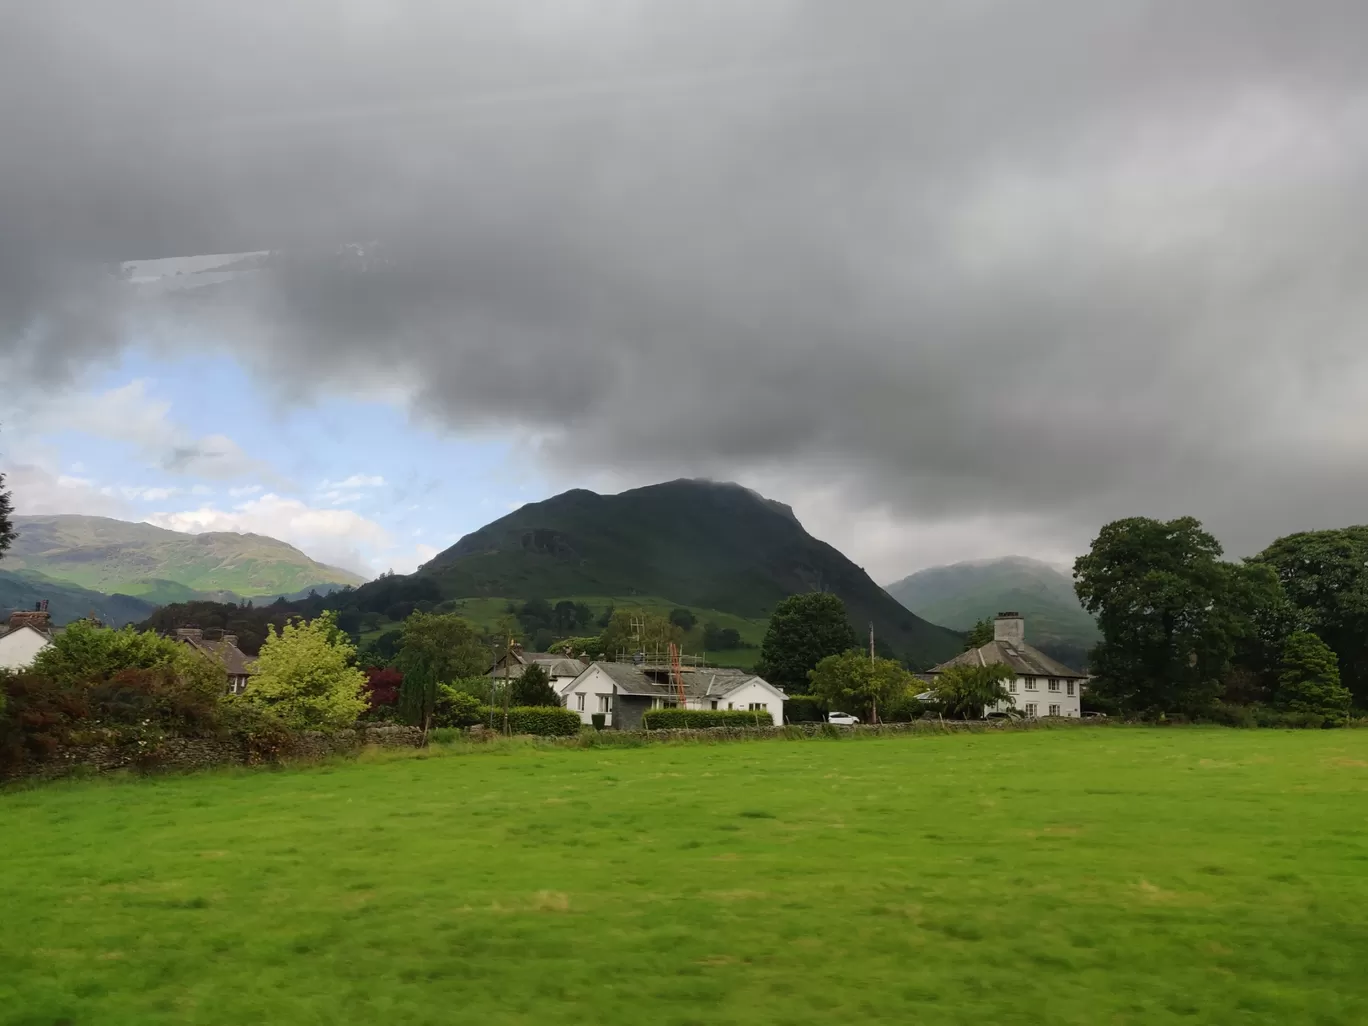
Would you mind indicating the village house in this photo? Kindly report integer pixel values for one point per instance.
(1041, 686)
(623, 692)
(27, 633)
(225, 650)
(560, 669)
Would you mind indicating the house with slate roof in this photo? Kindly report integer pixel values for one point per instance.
(560, 669)
(225, 650)
(1041, 686)
(623, 692)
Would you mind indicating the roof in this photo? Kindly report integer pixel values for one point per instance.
(1024, 659)
(555, 664)
(48, 632)
(234, 660)
(707, 682)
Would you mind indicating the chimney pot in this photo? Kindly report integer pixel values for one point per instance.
(189, 633)
(230, 639)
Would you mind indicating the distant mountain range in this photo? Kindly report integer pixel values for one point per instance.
(113, 557)
(961, 594)
(66, 602)
(697, 543)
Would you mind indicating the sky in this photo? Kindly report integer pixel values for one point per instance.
(953, 280)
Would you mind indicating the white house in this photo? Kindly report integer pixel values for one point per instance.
(623, 692)
(561, 669)
(27, 633)
(1041, 687)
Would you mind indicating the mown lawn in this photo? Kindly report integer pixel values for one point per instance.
(1092, 876)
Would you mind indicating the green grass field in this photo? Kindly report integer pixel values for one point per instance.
(1109, 875)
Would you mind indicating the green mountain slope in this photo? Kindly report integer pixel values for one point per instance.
(114, 556)
(696, 543)
(66, 602)
(961, 594)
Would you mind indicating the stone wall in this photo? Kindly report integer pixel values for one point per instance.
(191, 753)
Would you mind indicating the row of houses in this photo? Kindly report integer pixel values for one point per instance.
(623, 692)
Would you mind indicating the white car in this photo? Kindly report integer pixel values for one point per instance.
(842, 719)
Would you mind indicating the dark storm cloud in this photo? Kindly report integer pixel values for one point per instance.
(1059, 258)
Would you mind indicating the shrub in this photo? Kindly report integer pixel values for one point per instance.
(804, 709)
(382, 688)
(672, 719)
(541, 720)
(1310, 682)
(533, 688)
(305, 677)
(598, 720)
(455, 708)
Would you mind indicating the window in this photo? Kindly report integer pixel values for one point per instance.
(1031, 708)
(1069, 689)
(759, 707)
(604, 701)
(1054, 683)
(1054, 710)
(1030, 683)
(729, 705)
(579, 701)
(714, 703)
(1011, 686)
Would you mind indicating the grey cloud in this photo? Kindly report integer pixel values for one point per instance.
(1058, 259)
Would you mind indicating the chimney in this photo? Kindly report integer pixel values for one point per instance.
(38, 619)
(1010, 627)
(230, 639)
(189, 633)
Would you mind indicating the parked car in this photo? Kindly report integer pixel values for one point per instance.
(842, 719)
(1094, 716)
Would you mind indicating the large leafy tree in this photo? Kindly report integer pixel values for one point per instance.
(852, 682)
(1310, 679)
(966, 691)
(435, 648)
(652, 634)
(1170, 610)
(306, 677)
(85, 654)
(804, 630)
(1324, 575)
(979, 635)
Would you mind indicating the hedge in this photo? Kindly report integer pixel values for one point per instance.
(805, 709)
(673, 719)
(542, 720)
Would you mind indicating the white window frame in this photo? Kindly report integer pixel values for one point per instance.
(1054, 710)
(1031, 708)
(759, 707)
(1030, 684)
(1054, 683)
(579, 701)
(605, 703)
(1069, 688)
(1011, 687)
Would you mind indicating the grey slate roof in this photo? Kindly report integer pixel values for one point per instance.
(1025, 660)
(711, 682)
(554, 664)
(234, 660)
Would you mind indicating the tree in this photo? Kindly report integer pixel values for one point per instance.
(7, 534)
(803, 631)
(85, 654)
(979, 635)
(718, 639)
(435, 648)
(305, 676)
(533, 688)
(682, 618)
(1170, 611)
(606, 619)
(1310, 679)
(967, 691)
(1324, 575)
(654, 634)
(852, 682)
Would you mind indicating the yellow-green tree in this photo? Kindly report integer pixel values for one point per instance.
(654, 634)
(306, 676)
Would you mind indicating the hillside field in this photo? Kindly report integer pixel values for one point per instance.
(1082, 875)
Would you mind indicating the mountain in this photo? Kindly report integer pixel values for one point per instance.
(696, 543)
(66, 602)
(963, 593)
(114, 556)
